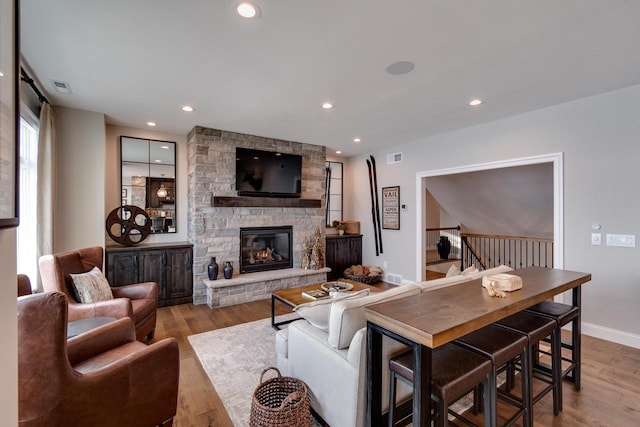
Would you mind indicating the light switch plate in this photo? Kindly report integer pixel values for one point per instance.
(621, 240)
(596, 239)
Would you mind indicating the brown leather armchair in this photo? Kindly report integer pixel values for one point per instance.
(24, 285)
(138, 301)
(101, 378)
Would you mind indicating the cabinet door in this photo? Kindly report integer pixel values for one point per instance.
(331, 259)
(355, 250)
(122, 268)
(153, 265)
(179, 277)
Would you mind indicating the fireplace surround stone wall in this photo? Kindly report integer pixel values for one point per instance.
(214, 231)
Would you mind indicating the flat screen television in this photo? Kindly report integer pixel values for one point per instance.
(268, 173)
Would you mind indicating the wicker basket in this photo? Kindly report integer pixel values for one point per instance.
(280, 401)
(364, 279)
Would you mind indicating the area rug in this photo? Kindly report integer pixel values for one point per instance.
(234, 358)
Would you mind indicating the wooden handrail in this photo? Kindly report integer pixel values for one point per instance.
(505, 237)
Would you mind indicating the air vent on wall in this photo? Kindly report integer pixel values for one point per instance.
(62, 87)
(394, 158)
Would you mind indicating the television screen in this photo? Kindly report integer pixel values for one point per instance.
(268, 173)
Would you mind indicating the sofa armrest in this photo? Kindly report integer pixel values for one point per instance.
(100, 339)
(146, 290)
(118, 308)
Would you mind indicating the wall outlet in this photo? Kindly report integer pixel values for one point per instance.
(596, 238)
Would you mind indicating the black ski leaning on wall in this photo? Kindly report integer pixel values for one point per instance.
(375, 189)
(373, 207)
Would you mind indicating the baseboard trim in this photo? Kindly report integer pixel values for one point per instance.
(609, 334)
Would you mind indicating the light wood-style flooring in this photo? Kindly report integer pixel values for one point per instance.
(610, 393)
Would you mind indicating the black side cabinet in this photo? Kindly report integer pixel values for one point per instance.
(342, 252)
(169, 265)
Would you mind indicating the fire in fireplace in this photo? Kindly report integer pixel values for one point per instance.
(265, 248)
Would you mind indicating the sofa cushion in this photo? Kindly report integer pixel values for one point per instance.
(347, 316)
(430, 285)
(495, 270)
(317, 312)
(91, 286)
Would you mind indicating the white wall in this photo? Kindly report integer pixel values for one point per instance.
(112, 173)
(599, 138)
(79, 219)
(9, 322)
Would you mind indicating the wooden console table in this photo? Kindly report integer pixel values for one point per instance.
(431, 319)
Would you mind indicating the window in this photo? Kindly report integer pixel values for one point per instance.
(334, 192)
(27, 236)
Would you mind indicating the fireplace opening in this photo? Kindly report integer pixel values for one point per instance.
(266, 248)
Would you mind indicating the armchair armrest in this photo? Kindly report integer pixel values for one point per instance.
(146, 290)
(118, 308)
(100, 339)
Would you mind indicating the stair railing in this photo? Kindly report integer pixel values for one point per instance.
(487, 251)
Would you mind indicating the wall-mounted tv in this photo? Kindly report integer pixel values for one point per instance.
(268, 173)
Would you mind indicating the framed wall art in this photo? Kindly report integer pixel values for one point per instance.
(9, 113)
(391, 208)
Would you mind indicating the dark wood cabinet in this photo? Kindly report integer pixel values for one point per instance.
(342, 252)
(169, 265)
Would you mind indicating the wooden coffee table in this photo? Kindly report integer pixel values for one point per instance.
(293, 297)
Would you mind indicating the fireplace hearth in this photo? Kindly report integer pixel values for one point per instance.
(265, 248)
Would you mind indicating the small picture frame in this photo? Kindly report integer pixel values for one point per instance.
(391, 208)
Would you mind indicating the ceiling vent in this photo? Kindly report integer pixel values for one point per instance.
(61, 87)
(394, 158)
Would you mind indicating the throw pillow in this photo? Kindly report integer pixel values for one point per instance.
(469, 270)
(453, 271)
(91, 286)
(317, 312)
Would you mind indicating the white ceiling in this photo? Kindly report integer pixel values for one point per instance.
(142, 60)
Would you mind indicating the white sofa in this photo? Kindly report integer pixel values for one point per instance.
(330, 355)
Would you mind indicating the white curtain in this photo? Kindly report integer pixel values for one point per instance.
(46, 183)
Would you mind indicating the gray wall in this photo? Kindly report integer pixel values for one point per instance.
(599, 138)
(80, 179)
(9, 322)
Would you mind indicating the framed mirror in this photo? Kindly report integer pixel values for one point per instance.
(148, 179)
(333, 192)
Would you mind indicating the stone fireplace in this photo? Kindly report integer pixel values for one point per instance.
(265, 248)
(215, 230)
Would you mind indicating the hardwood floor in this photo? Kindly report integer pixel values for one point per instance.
(610, 393)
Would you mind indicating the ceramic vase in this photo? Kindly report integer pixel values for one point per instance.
(444, 247)
(228, 270)
(212, 269)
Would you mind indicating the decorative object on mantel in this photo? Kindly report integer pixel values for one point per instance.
(317, 251)
(364, 274)
(128, 225)
(228, 270)
(212, 269)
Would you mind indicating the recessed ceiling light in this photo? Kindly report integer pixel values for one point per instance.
(400, 67)
(327, 105)
(338, 152)
(1, 74)
(475, 102)
(152, 124)
(247, 9)
(188, 108)
(356, 140)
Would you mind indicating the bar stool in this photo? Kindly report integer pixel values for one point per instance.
(563, 314)
(455, 372)
(536, 328)
(500, 345)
